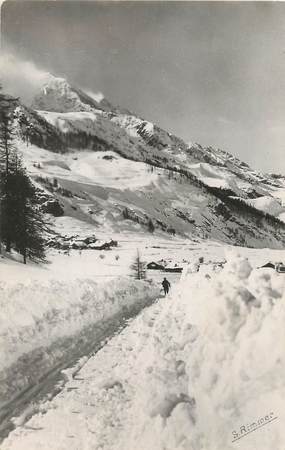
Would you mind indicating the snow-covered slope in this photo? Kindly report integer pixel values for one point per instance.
(141, 172)
(270, 205)
(59, 96)
(117, 194)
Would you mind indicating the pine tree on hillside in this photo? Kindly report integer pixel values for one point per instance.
(8, 166)
(30, 224)
(21, 221)
(151, 227)
(22, 224)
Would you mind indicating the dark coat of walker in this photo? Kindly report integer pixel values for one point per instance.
(166, 285)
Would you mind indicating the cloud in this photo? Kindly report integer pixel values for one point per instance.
(224, 120)
(97, 96)
(21, 78)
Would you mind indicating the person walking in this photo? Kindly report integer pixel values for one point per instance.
(166, 285)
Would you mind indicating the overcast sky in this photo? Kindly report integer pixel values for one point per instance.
(212, 73)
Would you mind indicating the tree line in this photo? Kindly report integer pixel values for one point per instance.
(21, 222)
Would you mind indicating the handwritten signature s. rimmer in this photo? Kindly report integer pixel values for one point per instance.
(244, 430)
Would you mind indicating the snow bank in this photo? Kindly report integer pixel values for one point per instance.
(40, 322)
(214, 367)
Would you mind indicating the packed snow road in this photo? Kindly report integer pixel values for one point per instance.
(46, 327)
(89, 411)
(24, 405)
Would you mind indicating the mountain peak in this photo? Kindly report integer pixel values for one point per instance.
(57, 94)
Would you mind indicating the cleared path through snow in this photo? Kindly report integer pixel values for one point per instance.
(18, 411)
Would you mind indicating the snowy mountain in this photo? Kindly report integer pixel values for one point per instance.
(58, 95)
(118, 171)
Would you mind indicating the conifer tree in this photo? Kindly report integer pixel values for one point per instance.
(151, 227)
(30, 224)
(8, 166)
(138, 267)
(21, 221)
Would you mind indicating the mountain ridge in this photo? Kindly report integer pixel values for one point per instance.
(65, 120)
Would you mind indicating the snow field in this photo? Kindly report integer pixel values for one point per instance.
(41, 318)
(92, 168)
(118, 172)
(187, 373)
